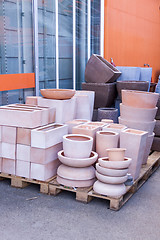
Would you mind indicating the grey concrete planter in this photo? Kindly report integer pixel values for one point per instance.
(108, 113)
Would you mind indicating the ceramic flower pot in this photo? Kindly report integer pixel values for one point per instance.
(104, 162)
(60, 94)
(83, 107)
(75, 162)
(139, 99)
(105, 140)
(116, 154)
(74, 123)
(144, 126)
(111, 172)
(100, 70)
(111, 190)
(137, 114)
(105, 93)
(148, 148)
(75, 183)
(77, 145)
(76, 173)
(108, 121)
(111, 180)
(111, 113)
(135, 143)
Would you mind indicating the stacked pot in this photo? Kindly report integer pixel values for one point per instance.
(111, 173)
(77, 159)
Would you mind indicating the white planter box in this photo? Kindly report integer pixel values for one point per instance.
(9, 134)
(23, 153)
(23, 169)
(8, 150)
(8, 166)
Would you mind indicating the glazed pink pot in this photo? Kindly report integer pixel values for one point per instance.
(148, 148)
(77, 145)
(75, 183)
(104, 162)
(116, 154)
(139, 99)
(111, 172)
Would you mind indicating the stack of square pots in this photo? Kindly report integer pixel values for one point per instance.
(77, 159)
(111, 173)
(156, 140)
(137, 111)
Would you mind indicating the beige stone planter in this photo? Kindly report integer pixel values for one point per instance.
(116, 154)
(75, 183)
(105, 163)
(111, 172)
(111, 180)
(148, 148)
(74, 123)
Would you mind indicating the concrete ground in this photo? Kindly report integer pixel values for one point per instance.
(62, 217)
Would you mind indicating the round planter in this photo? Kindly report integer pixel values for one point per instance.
(116, 154)
(139, 99)
(105, 140)
(60, 94)
(111, 180)
(75, 183)
(110, 113)
(148, 148)
(137, 114)
(104, 162)
(73, 173)
(77, 145)
(131, 85)
(109, 189)
(111, 172)
(74, 162)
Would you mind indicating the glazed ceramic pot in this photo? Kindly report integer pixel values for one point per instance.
(104, 162)
(111, 172)
(116, 154)
(148, 148)
(77, 145)
(137, 114)
(76, 173)
(75, 162)
(75, 183)
(144, 126)
(139, 99)
(131, 85)
(60, 94)
(135, 143)
(109, 189)
(75, 122)
(108, 121)
(111, 180)
(83, 107)
(105, 140)
(105, 93)
(100, 70)
(111, 113)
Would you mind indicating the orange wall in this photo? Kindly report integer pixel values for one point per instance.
(132, 33)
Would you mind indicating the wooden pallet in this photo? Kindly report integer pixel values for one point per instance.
(22, 182)
(87, 194)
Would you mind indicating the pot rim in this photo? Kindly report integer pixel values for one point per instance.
(88, 138)
(116, 149)
(94, 155)
(111, 133)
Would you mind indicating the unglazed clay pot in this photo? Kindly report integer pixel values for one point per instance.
(109, 189)
(116, 154)
(73, 173)
(148, 148)
(60, 94)
(75, 162)
(75, 122)
(106, 140)
(104, 162)
(144, 126)
(139, 99)
(111, 172)
(77, 145)
(75, 183)
(111, 180)
(107, 121)
(111, 113)
(137, 114)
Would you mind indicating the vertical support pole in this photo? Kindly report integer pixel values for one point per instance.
(89, 27)
(57, 46)
(102, 29)
(74, 44)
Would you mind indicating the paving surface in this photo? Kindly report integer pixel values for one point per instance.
(62, 217)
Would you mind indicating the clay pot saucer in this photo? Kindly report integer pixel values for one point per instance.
(59, 94)
(111, 172)
(74, 162)
(104, 162)
(111, 180)
(116, 154)
(75, 183)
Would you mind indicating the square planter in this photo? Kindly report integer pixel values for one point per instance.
(129, 73)
(74, 123)
(8, 166)
(9, 134)
(23, 153)
(8, 150)
(24, 136)
(23, 169)
(32, 100)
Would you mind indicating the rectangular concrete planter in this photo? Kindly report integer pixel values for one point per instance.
(23, 153)
(48, 136)
(44, 171)
(43, 156)
(8, 150)
(23, 169)
(32, 100)
(8, 166)
(24, 136)
(9, 134)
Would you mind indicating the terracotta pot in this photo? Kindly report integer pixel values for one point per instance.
(156, 144)
(131, 85)
(139, 99)
(74, 123)
(104, 162)
(105, 93)
(83, 107)
(107, 121)
(111, 180)
(74, 162)
(111, 172)
(59, 94)
(111, 113)
(100, 70)
(148, 148)
(135, 143)
(76, 173)
(75, 183)
(144, 126)
(105, 140)
(137, 114)
(116, 154)
(77, 145)
(109, 189)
